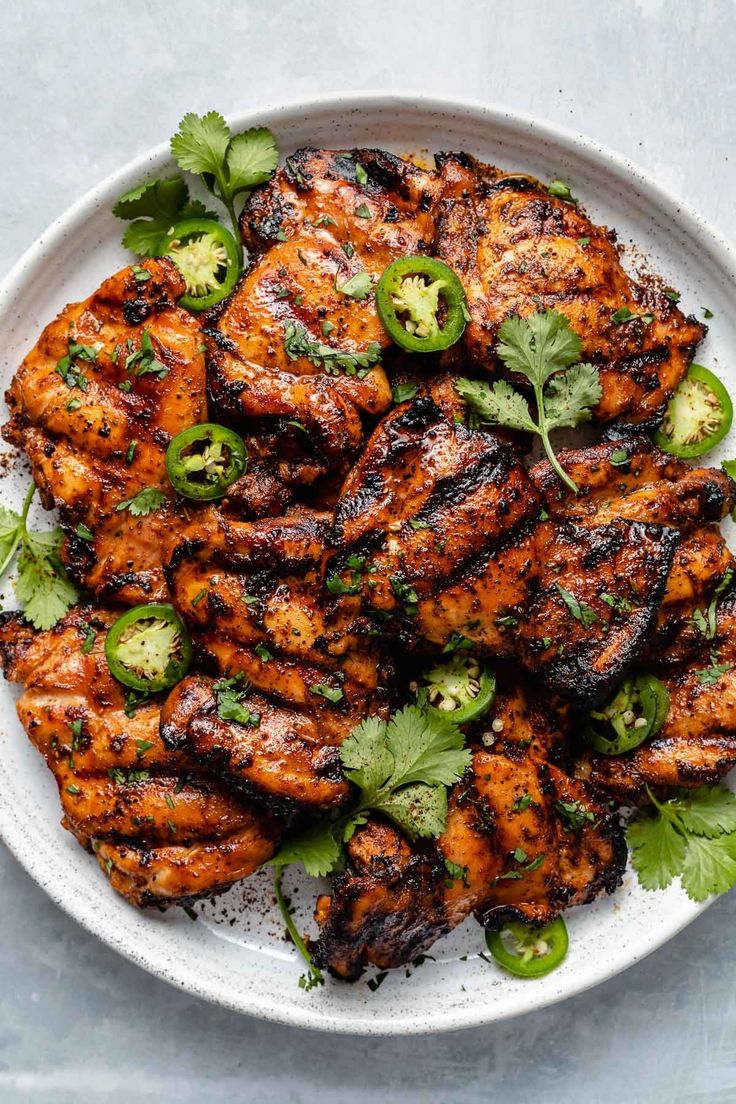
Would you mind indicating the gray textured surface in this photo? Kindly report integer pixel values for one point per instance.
(85, 87)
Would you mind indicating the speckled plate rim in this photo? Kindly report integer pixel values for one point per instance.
(16, 832)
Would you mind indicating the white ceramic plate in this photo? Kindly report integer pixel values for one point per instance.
(235, 954)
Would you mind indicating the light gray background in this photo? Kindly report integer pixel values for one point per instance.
(86, 85)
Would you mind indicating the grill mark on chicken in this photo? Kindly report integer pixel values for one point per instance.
(697, 743)
(282, 759)
(78, 457)
(264, 589)
(519, 250)
(488, 569)
(163, 830)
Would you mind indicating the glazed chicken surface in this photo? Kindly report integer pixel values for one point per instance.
(94, 404)
(327, 219)
(367, 540)
(163, 830)
(518, 249)
(459, 549)
(697, 743)
(253, 594)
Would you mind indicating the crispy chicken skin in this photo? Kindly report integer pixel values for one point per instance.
(308, 232)
(517, 250)
(449, 523)
(162, 829)
(78, 441)
(254, 597)
(395, 899)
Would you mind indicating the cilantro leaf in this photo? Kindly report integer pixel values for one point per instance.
(657, 851)
(402, 392)
(230, 705)
(499, 403)
(147, 501)
(156, 206)
(709, 676)
(544, 350)
(297, 344)
(709, 866)
(580, 610)
(200, 144)
(10, 535)
(402, 768)
(365, 755)
(571, 395)
(418, 809)
(144, 237)
(425, 748)
(358, 286)
(159, 199)
(315, 847)
(708, 811)
(43, 587)
(539, 345)
(251, 159)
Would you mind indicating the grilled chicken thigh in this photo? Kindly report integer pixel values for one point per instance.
(518, 249)
(94, 405)
(457, 550)
(254, 597)
(163, 830)
(694, 656)
(509, 850)
(327, 220)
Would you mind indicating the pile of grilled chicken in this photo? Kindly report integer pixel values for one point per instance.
(177, 803)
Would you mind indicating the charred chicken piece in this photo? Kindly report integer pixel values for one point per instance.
(277, 753)
(254, 597)
(693, 649)
(327, 224)
(94, 405)
(518, 249)
(454, 550)
(509, 851)
(632, 479)
(697, 743)
(163, 830)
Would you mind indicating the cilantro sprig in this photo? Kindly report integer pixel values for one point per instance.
(43, 587)
(691, 834)
(544, 350)
(228, 165)
(401, 768)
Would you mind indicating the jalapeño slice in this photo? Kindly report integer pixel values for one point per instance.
(637, 710)
(148, 648)
(207, 257)
(526, 951)
(421, 304)
(204, 460)
(699, 415)
(462, 689)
